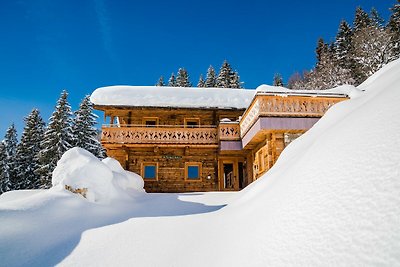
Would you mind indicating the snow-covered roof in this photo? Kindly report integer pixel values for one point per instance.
(340, 91)
(183, 97)
(193, 97)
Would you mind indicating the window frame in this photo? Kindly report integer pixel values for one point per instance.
(146, 119)
(143, 166)
(189, 164)
(186, 120)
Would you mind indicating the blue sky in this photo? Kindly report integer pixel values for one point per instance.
(48, 45)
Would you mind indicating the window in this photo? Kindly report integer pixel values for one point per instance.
(192, 122)
(150, 121)
(192, 171)
(290, 137)
(150, 171)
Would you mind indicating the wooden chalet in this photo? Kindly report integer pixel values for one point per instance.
(204, 139)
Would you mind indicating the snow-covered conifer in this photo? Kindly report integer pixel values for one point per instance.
(343, 45)
(211, 79)
(225, 75)
(235, 82)
(202, 82)
(376, 19)
(84, 131)
(160, 81)
(394, 28)
(172, 81)
(27, 155)
(5, 184)
(361, 19)
(278, 81)
(322, 48)
(57, 139)
(182, 78)
(10, 145)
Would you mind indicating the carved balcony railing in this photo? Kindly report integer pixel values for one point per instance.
(286, 106)
(159, 135)
(229, 131)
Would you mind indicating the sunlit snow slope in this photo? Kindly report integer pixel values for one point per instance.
(332, 199)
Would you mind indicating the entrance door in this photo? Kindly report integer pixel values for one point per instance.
(232, 174)
(228, 176)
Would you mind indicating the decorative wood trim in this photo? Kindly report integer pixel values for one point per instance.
(289, 106)
(198, 164)
(229, 131)
(149, 164)
(155, 135)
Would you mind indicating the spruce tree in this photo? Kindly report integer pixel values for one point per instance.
(5, 184)
(182, 78)
(211, 79)
(235, 82)
(343, 45)
(172, 81)
(394, 28)
(321, 49)
(160, 81)
(376, 19)
(27, 155)
(225, 75)
(84, 131)
(57, 139)
(361, 19)
(10, 144)
(202, 82)
(278, 81)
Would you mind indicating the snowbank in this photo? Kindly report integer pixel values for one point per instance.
(99, 181)
(184, 97)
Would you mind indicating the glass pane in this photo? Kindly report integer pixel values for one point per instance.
(193, 172)
(150, 172)
(151, 123)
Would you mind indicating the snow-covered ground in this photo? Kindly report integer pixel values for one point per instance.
(332, 199)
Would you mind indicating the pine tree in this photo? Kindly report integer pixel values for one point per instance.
(321, 49)
(5, 184)
(235, 82)
(343, 45)
(27, 155)
(172, 81)
(376, 19)
(211, 80)
(225, 75)
(10, 145)
(361, 27)
(361, 19)
(394, 28)
(57, 139)
(278, 81)
(201, 82)
(83, 130)
(160, 81)
(182, 78)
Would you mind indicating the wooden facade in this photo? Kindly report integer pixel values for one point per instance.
(208, 149)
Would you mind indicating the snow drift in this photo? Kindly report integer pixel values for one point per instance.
(101, 181)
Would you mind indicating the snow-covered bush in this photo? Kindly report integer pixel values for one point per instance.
(99, 181)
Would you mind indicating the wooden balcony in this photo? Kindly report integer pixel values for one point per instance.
(139, 134)
(229, 131)
(286, 106)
